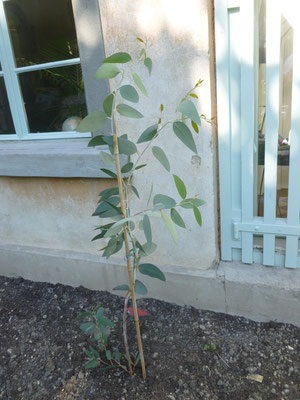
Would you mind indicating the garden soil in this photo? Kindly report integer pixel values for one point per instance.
(190, 353)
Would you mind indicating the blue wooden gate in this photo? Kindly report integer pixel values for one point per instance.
(258, 100)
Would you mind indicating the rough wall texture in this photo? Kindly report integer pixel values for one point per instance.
(56, 213)
(50, 212)
(178, 36)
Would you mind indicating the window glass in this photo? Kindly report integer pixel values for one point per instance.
(54, 98)
(41, 30)
(6, 123)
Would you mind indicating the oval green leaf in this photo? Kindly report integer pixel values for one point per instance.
(197, 215)
(188, 109)
(139, 83)
(152, 270)
(176, 218)
(180, 186)
(184, 134)
(118, 58)
(170, 225)
(128, 111)
(160, 155)
(127, 167)
(148, 64)
(135, 191)
(147, 229)
(109, 173)
(92, 364)
(166, 201)
(126, 146)
(93, 122)
(140, 288)
(122, 287)
(189, 203)
(107, 104)
(129, 93)
(195, 126)
(107, 158)
(97, 141)
(107, 71)
(148, 134)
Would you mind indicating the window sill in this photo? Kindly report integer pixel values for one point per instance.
(69, 158)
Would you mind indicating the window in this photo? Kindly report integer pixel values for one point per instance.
(41, 82)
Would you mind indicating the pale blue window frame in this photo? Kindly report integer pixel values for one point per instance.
(10, 74)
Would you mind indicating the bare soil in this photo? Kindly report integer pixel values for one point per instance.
(41, 350)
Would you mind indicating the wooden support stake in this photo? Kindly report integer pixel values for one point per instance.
(132, 289)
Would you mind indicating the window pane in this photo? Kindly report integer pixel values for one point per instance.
(41, 31)
(6, 123)
(52, 96)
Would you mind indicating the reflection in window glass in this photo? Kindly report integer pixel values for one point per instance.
(52, 97)
(6, 123)
(285, 101)
(41, 31)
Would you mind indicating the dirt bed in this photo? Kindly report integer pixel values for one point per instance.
(41, 350)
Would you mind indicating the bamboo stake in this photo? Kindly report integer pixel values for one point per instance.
(122, 200)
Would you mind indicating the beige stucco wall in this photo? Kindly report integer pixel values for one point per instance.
(56, 213)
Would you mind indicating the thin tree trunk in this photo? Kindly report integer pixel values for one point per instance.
(129, 269)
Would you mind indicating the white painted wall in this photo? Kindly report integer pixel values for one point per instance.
(56, 214)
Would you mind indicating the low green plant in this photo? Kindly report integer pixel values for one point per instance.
(120, 225)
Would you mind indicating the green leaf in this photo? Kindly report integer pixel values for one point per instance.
(147, 250)
(128, 111)
(108, 172)
(184, 134)
(189, 203)
(122, 287)
(137, 360)
(176, 218)
(129, 93)
(121, 222)
(97, 141)
(108, 209)
(107, 71)
(180, 186)
(151, 270)
(107, 158)
(140, 40)
(84, 314)
(170, 225)
(193, 95)
(126, 146)
(108, 355)
(188, 109)
(139, 83)
(161, 108)
(166, 201)
(94, 351)
(135, 191)
(87, 327)
(150, 194)
(118, 58)
(100, 236)
(195, 126)
(106, 193)
(197, 215)
(127, 167)
(140, 166)
(108, 104)
(114, 230)
(117, 355)
(140, 288)
(148, 134)
(147, 229)
(92, 364)
(143, 53)
(93, 122)
(148, 64)
(160, 155)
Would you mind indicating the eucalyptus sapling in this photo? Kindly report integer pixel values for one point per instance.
(123, 224)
